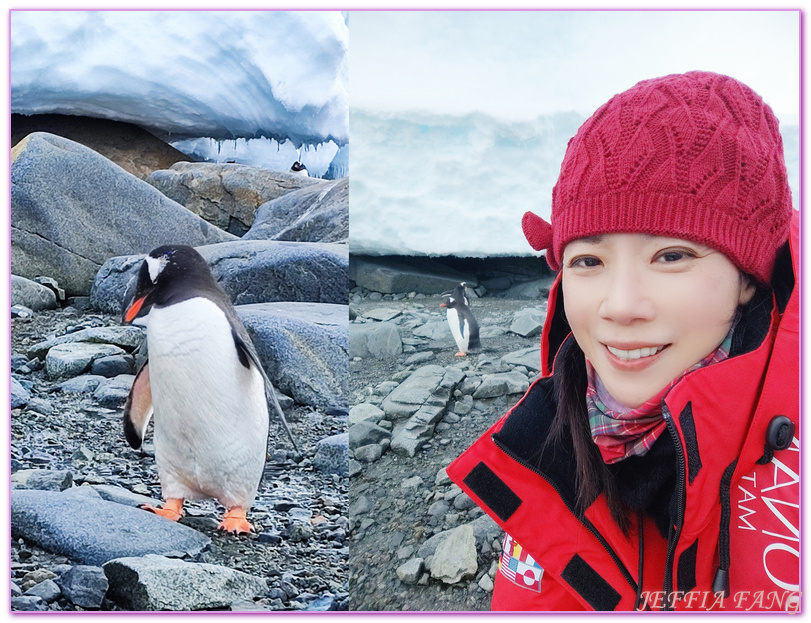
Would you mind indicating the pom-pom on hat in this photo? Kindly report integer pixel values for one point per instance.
(696, 156)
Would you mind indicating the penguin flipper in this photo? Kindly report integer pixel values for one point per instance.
(247, 355)
(138, 408)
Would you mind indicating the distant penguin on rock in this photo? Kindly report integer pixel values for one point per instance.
(299, 169)
(463, 325)
(205, 385)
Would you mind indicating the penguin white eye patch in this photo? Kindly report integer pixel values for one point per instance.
(155, 266)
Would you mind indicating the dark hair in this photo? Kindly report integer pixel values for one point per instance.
(592, 475)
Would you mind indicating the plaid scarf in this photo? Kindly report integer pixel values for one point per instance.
(620, 432)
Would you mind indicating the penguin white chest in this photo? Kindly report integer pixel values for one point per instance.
(210, 413)
(459, 335)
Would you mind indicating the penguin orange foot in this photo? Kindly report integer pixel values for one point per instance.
(172, 509)
(461, 354)
(235, 521)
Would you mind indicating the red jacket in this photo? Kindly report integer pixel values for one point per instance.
(736, 494)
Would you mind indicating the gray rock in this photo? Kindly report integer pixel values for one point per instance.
(73, 359)
(486, 583)
(441, 479)
(226, 195)
(59, 188)
(127, 338)
(42, 479)
(355, 468)
(528, 322)
(267, 272)
(19, 395)
(415, 482)
(317, 213)
(484, 529)
(402, 276)
(82, 453)
(120, 495)
(159, 583)
(409, 438)
(365, 412)
(303, 348)
(28, 603)
(418, 358)
(527, 357)
(501, 384)
(113, 365)
(30, 294)
(436, 330)
(369, 453)
(52, 285)
(48, 591)
(112, 393)
(21, 311)
(382, 314)
(360, 506)
(455, 557)
(84, 585)
(535, 290)
(40, 405)
(379, 340)
(463, 502)
(430, 385)
(438, 508)
(250, 272)
(332, 454)
(409, 572)
(84, 384)
(365, 433)
(93, 531)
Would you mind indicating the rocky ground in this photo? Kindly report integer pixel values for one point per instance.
(299, 549)
(402, 508)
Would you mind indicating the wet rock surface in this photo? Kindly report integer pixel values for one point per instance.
(417, 542)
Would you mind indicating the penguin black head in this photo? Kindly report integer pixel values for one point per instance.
(299, 168)
(451, 302)
(169, 274)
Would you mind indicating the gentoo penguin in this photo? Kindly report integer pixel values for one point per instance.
(463, 325)
(459, 293)
(204, 383)
(299, 169)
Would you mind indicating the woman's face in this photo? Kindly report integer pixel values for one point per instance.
(645, 308)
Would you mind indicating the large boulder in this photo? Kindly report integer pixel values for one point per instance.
(92, 531)
(257, 271)
(72, 209)
(226, 195)
(303, 348)
(318, 213)
(159, 583)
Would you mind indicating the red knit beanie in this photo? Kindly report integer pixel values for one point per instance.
(695, 156)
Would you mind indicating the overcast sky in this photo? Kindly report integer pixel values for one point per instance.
(519, 64)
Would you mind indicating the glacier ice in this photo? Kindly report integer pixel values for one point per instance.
(435, 185)
(222, 75)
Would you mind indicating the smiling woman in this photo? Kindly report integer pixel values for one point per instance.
(655, 463)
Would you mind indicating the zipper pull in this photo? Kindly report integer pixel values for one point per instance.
(721, 582)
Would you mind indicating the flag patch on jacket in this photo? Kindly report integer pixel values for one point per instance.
(518, 566)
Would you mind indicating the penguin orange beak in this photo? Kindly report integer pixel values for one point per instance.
(442, 305)
(133, 309)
